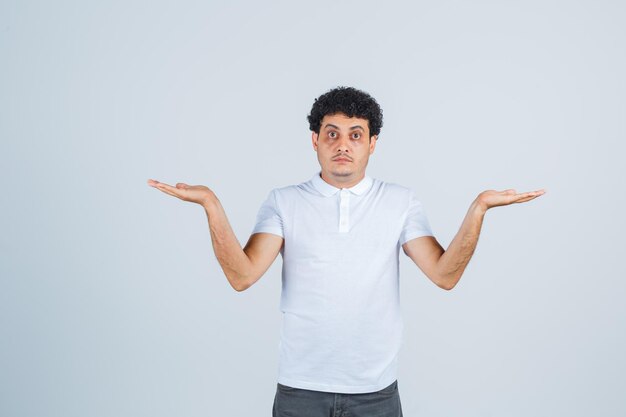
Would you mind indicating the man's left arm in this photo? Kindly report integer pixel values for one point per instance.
(445, 268)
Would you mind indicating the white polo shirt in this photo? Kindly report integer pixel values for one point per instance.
(342, 324)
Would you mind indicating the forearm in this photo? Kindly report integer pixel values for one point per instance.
(233, 260)
(454, 260)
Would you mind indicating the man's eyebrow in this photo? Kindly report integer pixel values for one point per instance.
(352, 128)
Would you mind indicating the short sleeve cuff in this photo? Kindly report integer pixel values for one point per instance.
(268, 229)
(414, 235)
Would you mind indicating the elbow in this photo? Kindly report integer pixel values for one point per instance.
(447, 284)
(239, 282)
(240, 287)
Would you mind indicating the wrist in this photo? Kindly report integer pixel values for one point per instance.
(210, 203)
(478, 207)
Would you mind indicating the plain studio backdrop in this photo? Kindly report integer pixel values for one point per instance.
(112, 302)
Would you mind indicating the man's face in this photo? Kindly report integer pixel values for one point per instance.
(343, 147)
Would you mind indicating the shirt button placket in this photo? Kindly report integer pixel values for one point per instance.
(344, 211)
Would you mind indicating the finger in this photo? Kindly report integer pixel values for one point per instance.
(166, 188)
(528, 198)
(156, 183)
(536, 192)
(182, 185)
(530, 193)
(524, 195)
(168, 192)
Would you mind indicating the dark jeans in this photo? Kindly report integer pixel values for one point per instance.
(296, 402)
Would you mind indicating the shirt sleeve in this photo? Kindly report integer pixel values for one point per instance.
(268, 219)
(415, 222)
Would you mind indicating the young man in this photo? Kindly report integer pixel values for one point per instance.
(339, 235)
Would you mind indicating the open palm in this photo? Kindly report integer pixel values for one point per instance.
(493, 198)
(193, 193)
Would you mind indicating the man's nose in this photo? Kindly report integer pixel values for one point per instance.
(342, 145)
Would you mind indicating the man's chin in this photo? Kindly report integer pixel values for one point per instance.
(342, 173)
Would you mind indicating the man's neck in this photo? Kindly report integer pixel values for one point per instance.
(338, 183)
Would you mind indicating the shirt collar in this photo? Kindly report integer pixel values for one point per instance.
(327, 190)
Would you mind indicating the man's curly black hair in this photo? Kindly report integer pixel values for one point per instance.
(349, 101)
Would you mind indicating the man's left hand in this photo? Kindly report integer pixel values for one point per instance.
(492, 198)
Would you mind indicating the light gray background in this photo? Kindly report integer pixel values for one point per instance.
(112, 302)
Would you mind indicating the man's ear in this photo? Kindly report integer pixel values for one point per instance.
(314, 138)
(373, 141)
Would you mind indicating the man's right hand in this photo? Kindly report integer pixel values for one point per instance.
(193, 193)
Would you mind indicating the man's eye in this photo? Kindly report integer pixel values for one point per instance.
(356, 136)
(332, 135)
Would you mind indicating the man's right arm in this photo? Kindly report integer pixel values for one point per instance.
(242, 267)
